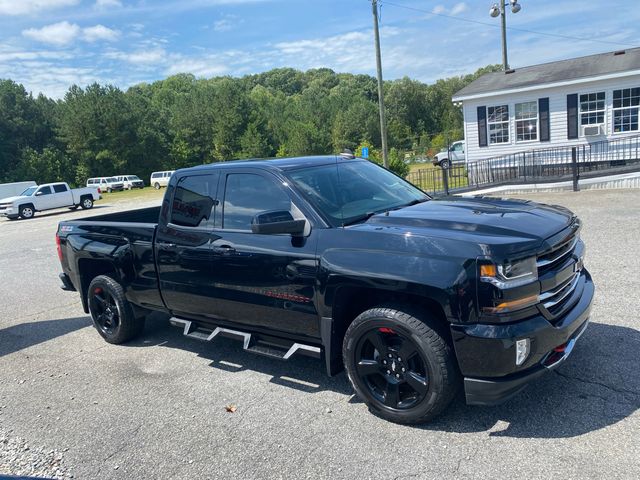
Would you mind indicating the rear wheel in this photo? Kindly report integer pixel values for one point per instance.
(87, 203)
(111, 312)
(156, 186)
(400, 365)
(26, 211)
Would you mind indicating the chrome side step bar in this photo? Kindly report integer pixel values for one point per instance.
(190, 330)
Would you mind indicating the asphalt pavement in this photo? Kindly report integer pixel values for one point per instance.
(73, 405)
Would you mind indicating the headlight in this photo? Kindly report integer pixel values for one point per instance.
(509, 275)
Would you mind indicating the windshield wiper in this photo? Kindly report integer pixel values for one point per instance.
(361, 218)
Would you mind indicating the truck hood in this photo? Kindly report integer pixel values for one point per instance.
(12, 199)
(485, 216)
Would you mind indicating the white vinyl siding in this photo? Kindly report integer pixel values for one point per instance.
(557, 117)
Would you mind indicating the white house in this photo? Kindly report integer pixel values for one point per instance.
(565, 103)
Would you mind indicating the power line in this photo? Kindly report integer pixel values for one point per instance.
(494, 25)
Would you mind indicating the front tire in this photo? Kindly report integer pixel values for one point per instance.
(400, 364)
(26, 212)
(156, 186)
(445, 163)
(111, 312)
(109, 190)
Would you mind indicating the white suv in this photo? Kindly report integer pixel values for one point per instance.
(160, 179)
(105, 184)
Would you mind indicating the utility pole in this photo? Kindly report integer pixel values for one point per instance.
(383, 122)
(503, 14)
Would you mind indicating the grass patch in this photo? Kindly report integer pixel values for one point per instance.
(137, 194)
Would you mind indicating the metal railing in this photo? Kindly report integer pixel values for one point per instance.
(554, 164)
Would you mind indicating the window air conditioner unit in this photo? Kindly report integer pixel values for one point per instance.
(591, 130)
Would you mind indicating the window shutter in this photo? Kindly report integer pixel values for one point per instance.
(572, 116)
(545, 126)
(482, 126)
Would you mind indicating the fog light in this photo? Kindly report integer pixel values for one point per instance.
(522, 351)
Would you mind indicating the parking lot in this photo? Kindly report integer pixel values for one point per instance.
(71, 404)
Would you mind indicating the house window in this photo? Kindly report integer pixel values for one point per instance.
(592, 108)
(526, 121)
(498, 122)
(625, 109)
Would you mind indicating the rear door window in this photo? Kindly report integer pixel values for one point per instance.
(194, 201)
(59, 188)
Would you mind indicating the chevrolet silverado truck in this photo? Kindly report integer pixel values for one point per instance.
(337, 258)
(47, 197)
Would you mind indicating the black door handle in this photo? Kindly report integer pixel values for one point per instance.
(167, 246)
(224, 249)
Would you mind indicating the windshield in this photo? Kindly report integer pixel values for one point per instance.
(352, 191)
(29, 191)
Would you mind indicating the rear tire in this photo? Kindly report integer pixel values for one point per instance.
(156, 186)
(400, 364)
(111, 312)
(86, 203)
(26, 212)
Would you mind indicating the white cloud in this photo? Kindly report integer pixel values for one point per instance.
(59, 34)
(100, 32)
(459, 8)
(151, 56)
(26, 7)
(200, 67)
(226, 23)
(438, 9)
(106, 4)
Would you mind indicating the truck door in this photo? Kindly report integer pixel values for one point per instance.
(262, 280)
(183, 245)
(62, 195)
(43, 198)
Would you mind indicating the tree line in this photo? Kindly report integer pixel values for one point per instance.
(182, 121)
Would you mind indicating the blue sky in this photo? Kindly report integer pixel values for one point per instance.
(49, 45)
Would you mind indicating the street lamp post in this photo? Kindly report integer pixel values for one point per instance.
(501, 9)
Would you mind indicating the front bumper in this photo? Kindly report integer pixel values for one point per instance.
(486, 353)
(8, 211)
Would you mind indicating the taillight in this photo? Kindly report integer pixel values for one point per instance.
(58, 246)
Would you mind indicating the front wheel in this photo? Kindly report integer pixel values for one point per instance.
(109, 190)
(156, 186)
(111, 312)
(400, 364)
(445, 163)
(26, 212)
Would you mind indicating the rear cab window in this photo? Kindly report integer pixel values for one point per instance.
(194, 201)
(59, 188)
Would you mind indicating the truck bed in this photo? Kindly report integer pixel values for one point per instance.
(142, 215)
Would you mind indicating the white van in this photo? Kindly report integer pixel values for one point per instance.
(160, 179)
(105, 184)
(130, 181)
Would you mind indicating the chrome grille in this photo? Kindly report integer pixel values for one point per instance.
(559, 253)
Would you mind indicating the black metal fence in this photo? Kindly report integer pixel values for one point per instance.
(553, 164)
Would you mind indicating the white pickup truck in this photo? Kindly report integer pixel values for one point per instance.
(47, 197)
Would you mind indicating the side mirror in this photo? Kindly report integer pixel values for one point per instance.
(276, 222)
(38, 194)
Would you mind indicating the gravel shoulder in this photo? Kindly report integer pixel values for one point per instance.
(156, 407)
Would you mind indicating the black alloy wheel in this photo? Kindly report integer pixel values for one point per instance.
(112, 314)
(400, 363)
(392, 368)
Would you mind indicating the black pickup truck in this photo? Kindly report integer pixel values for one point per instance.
(338, 258)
